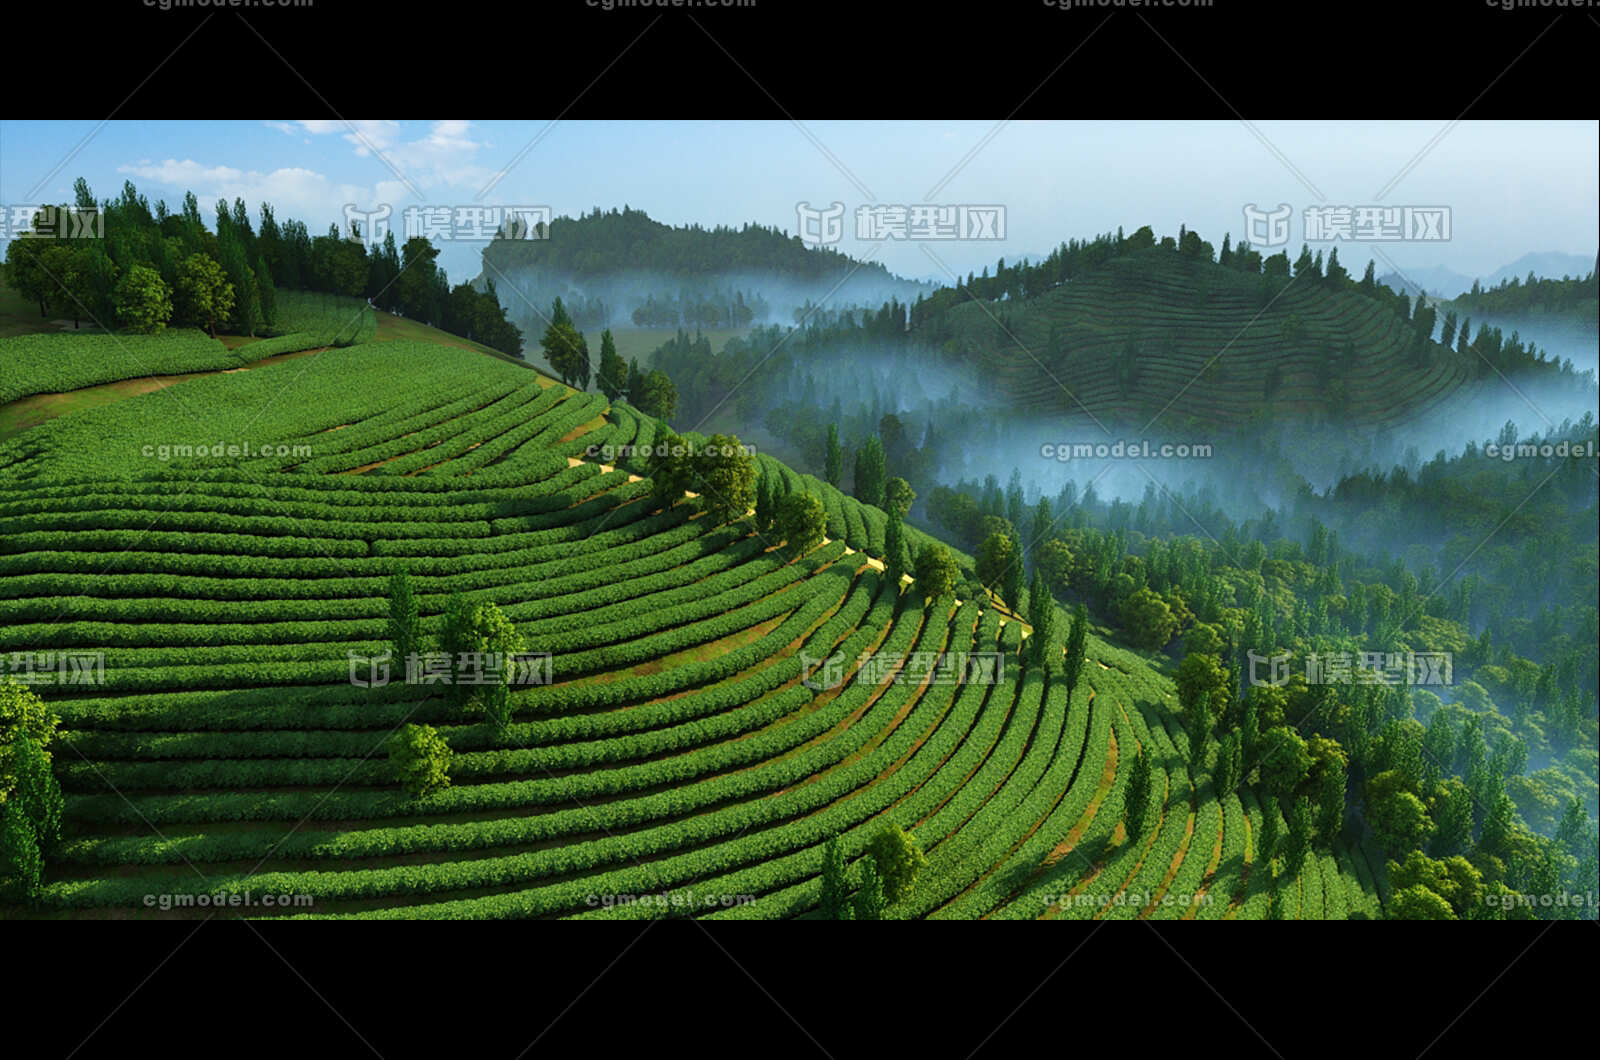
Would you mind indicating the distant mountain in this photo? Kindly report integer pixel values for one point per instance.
(1442, 282)
(1438, 282)
(1549, 266)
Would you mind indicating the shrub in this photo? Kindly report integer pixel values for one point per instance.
(420, 758)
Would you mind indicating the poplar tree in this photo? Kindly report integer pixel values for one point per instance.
(835, 884)
(1076, 638)
(834, 462)
(1136, 801)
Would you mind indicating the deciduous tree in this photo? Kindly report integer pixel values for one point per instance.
(420, 759)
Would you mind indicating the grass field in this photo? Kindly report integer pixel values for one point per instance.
(642, 342)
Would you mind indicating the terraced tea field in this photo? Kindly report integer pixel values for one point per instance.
(679, 749)
(1206, 333)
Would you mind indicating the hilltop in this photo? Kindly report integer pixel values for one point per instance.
(621, 269)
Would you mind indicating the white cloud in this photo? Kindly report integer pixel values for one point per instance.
(293, 191)
(439, 160)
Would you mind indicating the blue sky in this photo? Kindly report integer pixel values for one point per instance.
(1513, 187)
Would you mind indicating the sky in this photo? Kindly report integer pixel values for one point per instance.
(1512, 187)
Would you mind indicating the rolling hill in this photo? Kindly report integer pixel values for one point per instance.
(677, 761)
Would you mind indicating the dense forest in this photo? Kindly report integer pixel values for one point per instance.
(604, 242)
(155, 267)
(1571, 297)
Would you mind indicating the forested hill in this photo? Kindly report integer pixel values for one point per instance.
(1570, 298)
(621, 269)
(1119, 325)
(627, 240)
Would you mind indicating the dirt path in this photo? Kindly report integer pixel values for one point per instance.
(31, 411)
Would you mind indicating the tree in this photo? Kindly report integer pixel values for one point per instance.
(420, 760)
(1418, 903)
(204, 295)
(936, 572)
(1054, 560)
(635, 392)
(267, 291)
(1455, 880)
(1200, 678)
(895, 560)
(1136, 800)
(455, 633)
(417, 284)
(995, 557)
(899, 860)
(1149, 620)
(724, 476)
(1397, 817)
(612, 377)
(1197, 727)
(835, 902)
(870, 902)
(35, 790)
(487, 642)
(1042, 616)
(1330, 804)
(1271, 831)
(657, 396)
(870, 473)
(1011, 581)
(671, 468)
(21, 864)
(563, 351)
(29, 275)
(405, 630)
(766, 503)
(143, 300)
(246, 316)
(898, 495)
(1297, 843)
(833, 460)
(1285, 760)
(801, 521)
(1275, 904)
(1077, 636)
(582, 367)
(91, 281)
(23, 716)
(1230, 765)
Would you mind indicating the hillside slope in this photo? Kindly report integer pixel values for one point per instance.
(1152, 331)
(233, 605)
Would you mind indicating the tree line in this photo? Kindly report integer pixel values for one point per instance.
(155, 267)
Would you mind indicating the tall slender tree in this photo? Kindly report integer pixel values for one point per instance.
(833, 462)
(1077, 637)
